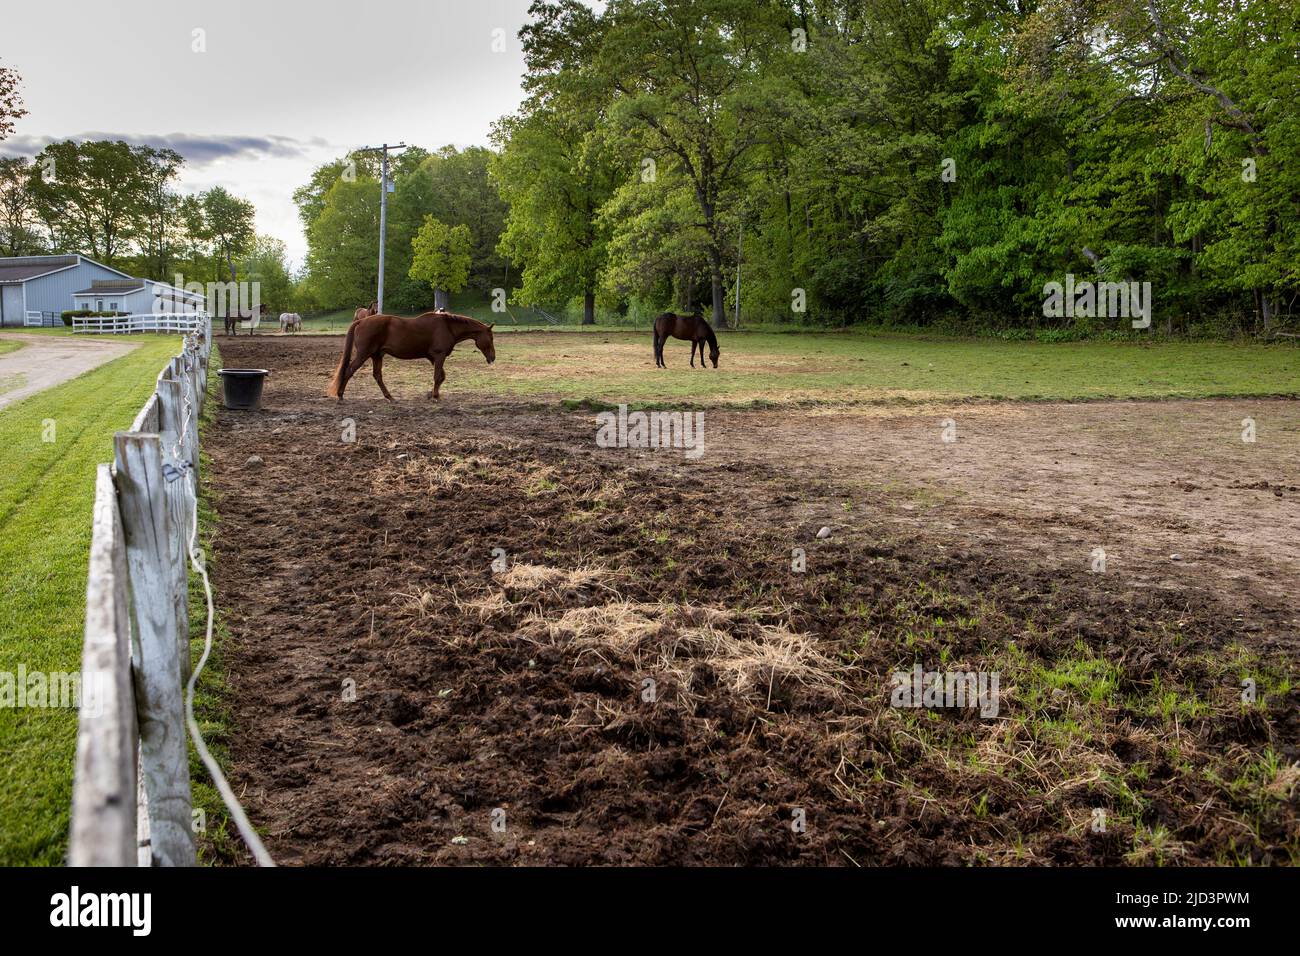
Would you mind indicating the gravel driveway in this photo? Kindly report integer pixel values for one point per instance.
(47, 360)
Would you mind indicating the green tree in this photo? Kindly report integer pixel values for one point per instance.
(441, 258)
(228, 224)
(161, 235)
(691, 98)
(657, 250)
(1225, 80)
(339, 208)
(266, 264)
(555, 167)
(910, 161)
(459, 191)
(343, 244)
(18, 222)
(92, 196)
(11, 101)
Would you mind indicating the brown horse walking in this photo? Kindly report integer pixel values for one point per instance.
(429, 336)
(693, 329)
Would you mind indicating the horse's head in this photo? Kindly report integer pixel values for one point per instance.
(484, 342)
(712, 339)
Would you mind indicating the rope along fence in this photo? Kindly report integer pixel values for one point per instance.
(131, 798)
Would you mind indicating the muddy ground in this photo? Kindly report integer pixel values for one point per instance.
(644, 678)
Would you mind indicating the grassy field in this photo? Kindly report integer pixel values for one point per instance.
(610, 366)
(41, 330)
(46, 490)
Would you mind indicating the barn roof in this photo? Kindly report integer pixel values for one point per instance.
(22, 268)
(108, 286)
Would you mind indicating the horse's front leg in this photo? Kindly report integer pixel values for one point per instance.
(692, 355)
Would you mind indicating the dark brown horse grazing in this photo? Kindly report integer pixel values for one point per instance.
(693, 329)
(429, 336)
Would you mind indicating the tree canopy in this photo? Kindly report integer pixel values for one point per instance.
(907, 162)
(920, 163)
(441, 256)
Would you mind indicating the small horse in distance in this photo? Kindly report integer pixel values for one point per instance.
(692, 328)
(431, 336)
(365, 310)
(290, 322)
(233, 318)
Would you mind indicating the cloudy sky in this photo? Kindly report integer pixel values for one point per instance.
(283, 85)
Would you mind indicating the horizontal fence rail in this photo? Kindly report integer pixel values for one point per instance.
(131, 798)
(177, 323)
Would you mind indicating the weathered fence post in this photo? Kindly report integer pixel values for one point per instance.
(103, 831)
(177, 487)
(152, 556)
(189, 370)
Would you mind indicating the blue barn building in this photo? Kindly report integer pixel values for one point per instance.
(36, 290)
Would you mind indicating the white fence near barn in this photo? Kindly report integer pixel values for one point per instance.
(175, 323)
(131, 790)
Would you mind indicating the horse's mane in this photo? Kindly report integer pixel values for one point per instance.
(709, 335)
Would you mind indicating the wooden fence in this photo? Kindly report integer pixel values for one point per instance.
(131, 790)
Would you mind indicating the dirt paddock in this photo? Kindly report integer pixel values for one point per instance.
(645, 677)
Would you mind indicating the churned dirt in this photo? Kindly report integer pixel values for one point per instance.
(471, 636)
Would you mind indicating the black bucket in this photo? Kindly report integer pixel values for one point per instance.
(242, 387)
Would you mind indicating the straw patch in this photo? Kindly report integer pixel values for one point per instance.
(692, 642)
(532, 577)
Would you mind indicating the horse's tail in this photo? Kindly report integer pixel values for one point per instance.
(336, 382)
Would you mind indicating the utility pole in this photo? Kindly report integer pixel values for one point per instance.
(385, 187)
